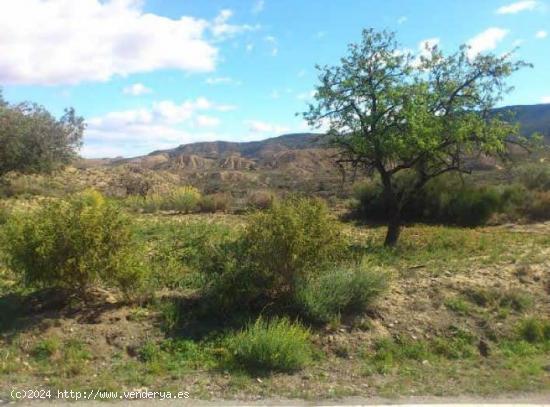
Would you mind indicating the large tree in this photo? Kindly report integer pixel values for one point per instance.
(388, 111)
(32, 140)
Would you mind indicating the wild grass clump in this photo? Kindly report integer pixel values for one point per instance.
(184, 199)
(534, 330)
(73, 243)
(275, 345)
(338, 291)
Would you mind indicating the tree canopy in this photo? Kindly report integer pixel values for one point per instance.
(388, 110)
(33, 140)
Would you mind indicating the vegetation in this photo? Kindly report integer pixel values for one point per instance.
(32, 140)
(72, 244)
(277, 345)
(391, 111)
(342, 290)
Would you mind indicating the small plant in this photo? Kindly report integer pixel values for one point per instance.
(458, 305)
(340, 290)
(46, 348)
(534, 330)
(276, 345)
(73, 244)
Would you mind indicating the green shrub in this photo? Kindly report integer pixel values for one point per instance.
(4, 214)
(73, 244)
(534, 330)
(214, 203)
(182, 199)
(294, 237)
(340, 290)
(537, 207)
(279, 246)
(46, 348)
(260, 199)
(277, 345)
(534, 176)
(446, 199)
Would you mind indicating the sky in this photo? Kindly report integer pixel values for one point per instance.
(154, 74)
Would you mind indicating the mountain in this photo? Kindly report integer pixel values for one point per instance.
(284, 161)
(532, 118)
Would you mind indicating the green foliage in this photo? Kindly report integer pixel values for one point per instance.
(276, 345)
(446, 199)
(537, 206)
(214, 203)
(46, 348)
(391, 111)
(534, 330)
(291, 239)
(391, 353)
(534, 176)
(4, 213)
(32, 140)
(182, 199)
(340, 290)
(73, 244)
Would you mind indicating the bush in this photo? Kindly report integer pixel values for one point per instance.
(260, 199)
(538, 206)
(182, 199)
(294, 237)
(534, 176)
(73, 244)
(214, 203)
(534, 330)
(277, 345)
(4, 214)
(342, 290)
(447, 199)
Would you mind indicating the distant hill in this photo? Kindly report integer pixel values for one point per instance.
(532, 118)
(279, 161)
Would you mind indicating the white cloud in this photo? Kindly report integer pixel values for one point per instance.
(136, 89)
(486, 41)
(222, 80)
(402, 20)
(301, 73)
(541, 34)
(207, 121)
(258, 7)
(273, 42)
(69, 41)
(163, 124)
(545, 99)
(249, 47)
(320, 34)
(222, 29)
(257, 126)
(518, 6)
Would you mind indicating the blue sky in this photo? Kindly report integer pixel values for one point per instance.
(154, 74)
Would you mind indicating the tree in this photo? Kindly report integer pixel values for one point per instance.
(32, 140)
(389, 111)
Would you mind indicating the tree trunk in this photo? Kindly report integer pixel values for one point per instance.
(394, 229)
(393, 208)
